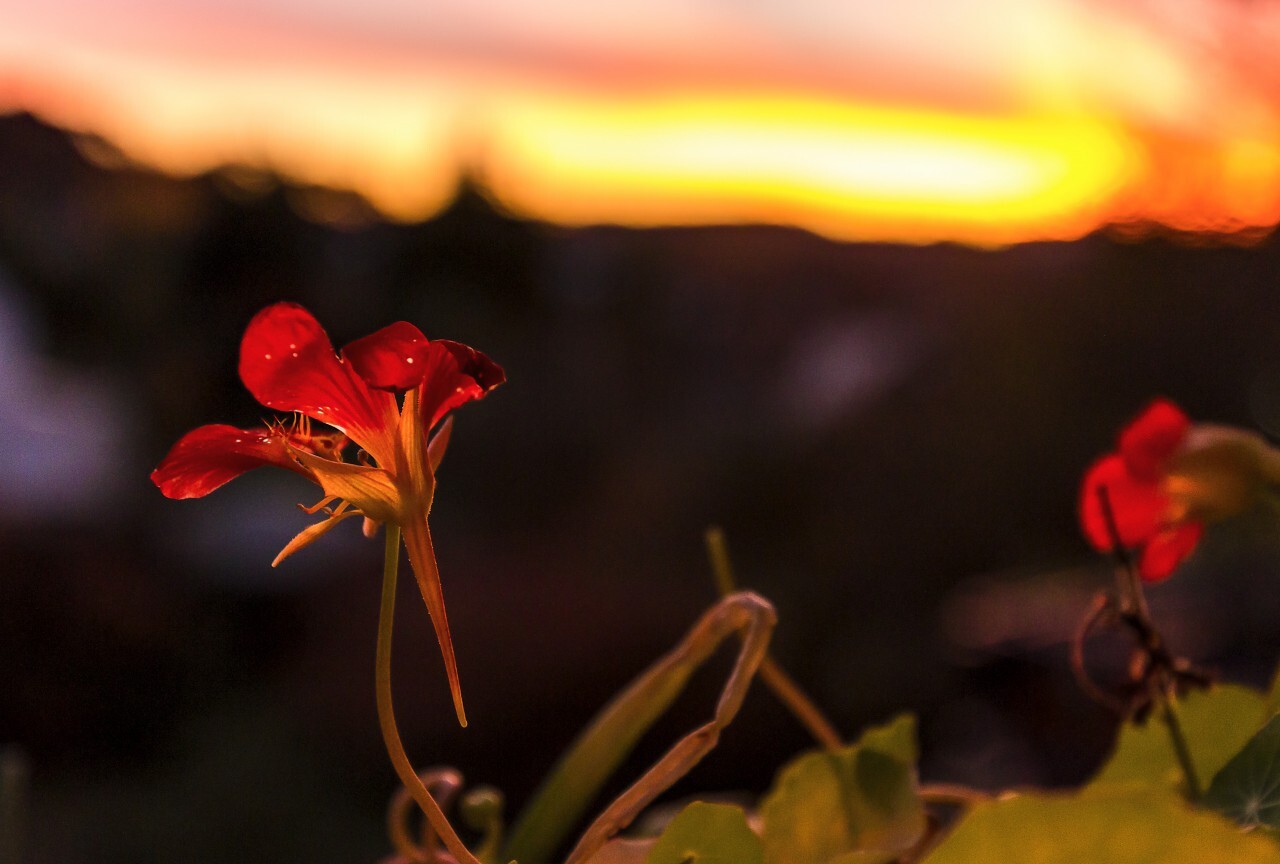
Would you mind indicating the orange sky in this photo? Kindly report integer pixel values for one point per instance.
(985, 121)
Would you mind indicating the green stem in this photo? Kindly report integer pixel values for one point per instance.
(1169, 713)
(386, 715)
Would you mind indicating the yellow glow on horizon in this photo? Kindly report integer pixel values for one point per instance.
(388, 138)
(1252, 168)
(1091, 116)
(827, 163)
(854, 172)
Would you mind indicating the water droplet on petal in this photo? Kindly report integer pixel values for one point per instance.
(266, 356)
(408, 360)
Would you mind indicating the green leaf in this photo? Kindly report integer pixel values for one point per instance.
(1102, 825)
(1273, 695)
(1216, 722)
(621, 851)
(1248, 787)
(859, 801)
(707, 834)
(865, 856)
(897, 738)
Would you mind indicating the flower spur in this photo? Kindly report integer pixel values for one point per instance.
(288, 364)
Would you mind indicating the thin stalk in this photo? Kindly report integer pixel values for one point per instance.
(784, 687)
(952, 793)
(1129, 594)
(1135, 612)
(386, 715)
(1172, 722)
(804, 709)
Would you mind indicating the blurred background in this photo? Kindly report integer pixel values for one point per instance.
(868, 287)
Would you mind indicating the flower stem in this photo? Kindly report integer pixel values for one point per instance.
(1169, 713)
(784, 687)
(386, 715)
(1162, 667)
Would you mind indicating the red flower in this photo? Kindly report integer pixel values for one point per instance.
(288, 363)
(1132, 480)
(1167, 479)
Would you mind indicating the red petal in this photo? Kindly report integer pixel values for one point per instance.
(456, 374)
(1152, 438)
(1138, 506)
(207, 457)
(288, 363)
(394, 358)
(1167, 550)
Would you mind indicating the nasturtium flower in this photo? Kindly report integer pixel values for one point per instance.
(289, 365)
(1166, 480)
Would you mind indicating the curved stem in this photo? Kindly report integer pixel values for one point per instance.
(784, 687)
(753, 618)
(1101, 607)
(952, 793)
(386, 715)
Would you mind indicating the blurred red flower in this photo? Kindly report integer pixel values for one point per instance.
(1167, 480)
(1132, 479)
(288, 363)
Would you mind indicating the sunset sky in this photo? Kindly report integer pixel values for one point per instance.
(987, 121)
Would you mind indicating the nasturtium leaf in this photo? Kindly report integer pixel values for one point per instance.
(621, 850)
(865, 856)
(896, 738)
(1216, 723)
(707, 834)
(825, 806)
(1123, 824)
(1273, 695)
(1248, 787)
